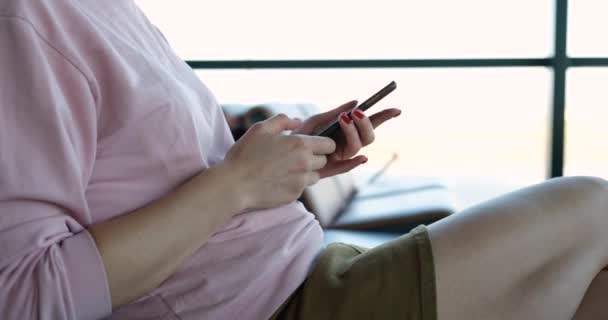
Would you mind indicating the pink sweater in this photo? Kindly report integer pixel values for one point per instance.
(99, 117)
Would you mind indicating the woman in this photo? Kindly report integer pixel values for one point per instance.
(122, 192)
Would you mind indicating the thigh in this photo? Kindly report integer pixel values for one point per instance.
(529, 254)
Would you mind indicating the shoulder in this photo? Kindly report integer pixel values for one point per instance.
(46, 19)
(58, 25)
(57, 21)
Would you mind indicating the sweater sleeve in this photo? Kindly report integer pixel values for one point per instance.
(50, 267)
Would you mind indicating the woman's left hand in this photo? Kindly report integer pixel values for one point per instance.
(356, 133)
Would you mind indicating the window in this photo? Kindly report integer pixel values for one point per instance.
(503, 123)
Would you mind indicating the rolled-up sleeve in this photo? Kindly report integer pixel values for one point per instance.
(50, 267)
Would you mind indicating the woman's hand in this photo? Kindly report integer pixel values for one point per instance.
(274, 169)
(357, 133)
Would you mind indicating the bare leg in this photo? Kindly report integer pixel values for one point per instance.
(594, 305)
(530, 254)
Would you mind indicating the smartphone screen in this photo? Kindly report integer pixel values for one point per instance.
(333, 129)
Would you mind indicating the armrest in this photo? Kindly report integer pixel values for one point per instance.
(394, 185)
(397, 212)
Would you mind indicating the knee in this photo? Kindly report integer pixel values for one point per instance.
(583, 194)
(593, 187)
(588, 195)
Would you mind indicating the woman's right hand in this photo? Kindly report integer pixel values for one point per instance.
(274, 169)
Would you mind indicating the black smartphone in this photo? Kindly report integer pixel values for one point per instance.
(333, 129)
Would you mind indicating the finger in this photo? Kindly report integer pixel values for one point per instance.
(329, 116)
(318, 162)
(321, 120)
(364, 127)
(318, 145)
(383, 116)
(351, 136)
(313, 177)
(278, 124)
(339, 167)
(333, 114)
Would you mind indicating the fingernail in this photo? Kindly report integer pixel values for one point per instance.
(398, 114)
(345, 118)
(364, 161)
(359, 114)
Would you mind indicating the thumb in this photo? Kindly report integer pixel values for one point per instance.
(280, 123)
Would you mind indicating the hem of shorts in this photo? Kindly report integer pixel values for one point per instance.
(428, 290)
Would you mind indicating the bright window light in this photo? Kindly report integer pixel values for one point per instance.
(587, 28)
(586, 116)
(346, 29)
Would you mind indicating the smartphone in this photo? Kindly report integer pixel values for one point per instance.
(333, 129)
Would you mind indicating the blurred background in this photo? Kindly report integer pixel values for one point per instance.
(495, 94)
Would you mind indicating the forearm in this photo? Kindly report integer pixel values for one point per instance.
(143, 248)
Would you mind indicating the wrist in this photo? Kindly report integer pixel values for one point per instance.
(234, 184)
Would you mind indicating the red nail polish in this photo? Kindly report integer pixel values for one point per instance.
(345, 117)
(359, 114)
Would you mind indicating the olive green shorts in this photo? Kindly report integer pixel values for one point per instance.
(393, 281)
